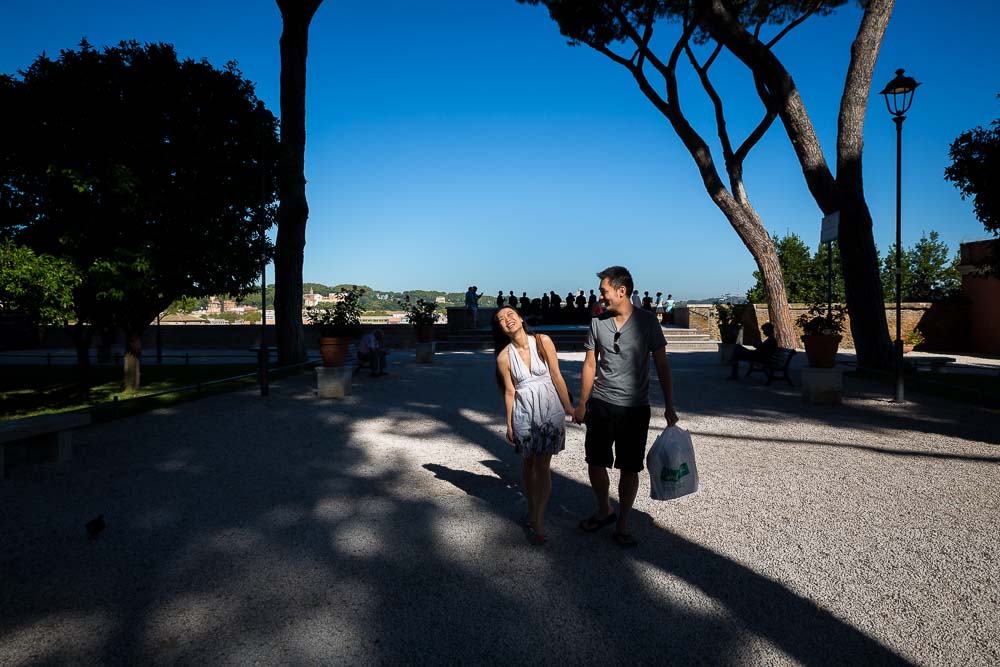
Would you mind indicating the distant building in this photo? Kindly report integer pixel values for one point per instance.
(214, 307)
(228, 306)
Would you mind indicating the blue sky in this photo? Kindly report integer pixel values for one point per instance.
(453, 143)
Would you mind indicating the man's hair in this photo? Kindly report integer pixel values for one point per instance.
(767, 327)
(618, 276)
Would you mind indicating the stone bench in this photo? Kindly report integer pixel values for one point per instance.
(53, 432)
(933, 363)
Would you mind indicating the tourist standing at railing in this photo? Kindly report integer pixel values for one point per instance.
(472, 306)
(668, 310)
(635, 300)
(500, 299)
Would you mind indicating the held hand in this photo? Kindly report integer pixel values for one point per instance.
(670, 415)
(510, 435)
(581, 413)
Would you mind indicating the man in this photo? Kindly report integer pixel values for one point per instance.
(370, 349)
(614, 398)
(760, 353)
(472, 306)
(647, 302)
(500, 300)
(591, 301)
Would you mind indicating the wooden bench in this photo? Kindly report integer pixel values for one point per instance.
(54, 432)
(776, 365)
(934, 363)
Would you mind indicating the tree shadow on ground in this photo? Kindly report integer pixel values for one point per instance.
(701, 388)
(291, 529)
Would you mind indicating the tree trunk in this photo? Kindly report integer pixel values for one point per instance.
(82, 336)
(293, 210)
(863, 291)
(133, 354)
(105, 339)
(774, 289)
(844, 194)
(734, 205)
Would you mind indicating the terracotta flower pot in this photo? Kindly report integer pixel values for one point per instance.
(425, 333)
(821, 350)
(334, 350)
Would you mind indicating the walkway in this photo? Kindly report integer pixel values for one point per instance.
(384, 528)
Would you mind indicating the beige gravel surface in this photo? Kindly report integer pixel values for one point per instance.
(384, 528)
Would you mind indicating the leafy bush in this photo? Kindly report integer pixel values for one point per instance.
(343, 319)
(816, 322)
(419, 312)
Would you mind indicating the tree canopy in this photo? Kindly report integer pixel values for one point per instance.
(928, 274)
(152, 175)
(975, 171)
(40, 286)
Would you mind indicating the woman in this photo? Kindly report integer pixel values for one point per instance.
(536, 402)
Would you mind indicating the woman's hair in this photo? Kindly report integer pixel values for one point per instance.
(501, 339)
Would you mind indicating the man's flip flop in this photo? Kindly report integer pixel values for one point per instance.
(592, 523)
(624, 540)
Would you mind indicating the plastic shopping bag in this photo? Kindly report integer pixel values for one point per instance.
(672, 470)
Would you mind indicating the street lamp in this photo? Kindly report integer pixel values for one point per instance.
(898, 95)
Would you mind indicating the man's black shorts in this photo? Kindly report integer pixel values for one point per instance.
(625, 427)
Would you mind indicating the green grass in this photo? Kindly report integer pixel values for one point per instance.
(36, 390)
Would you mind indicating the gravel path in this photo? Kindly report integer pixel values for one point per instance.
(383, 528)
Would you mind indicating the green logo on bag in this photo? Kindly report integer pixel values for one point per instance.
(672, 475)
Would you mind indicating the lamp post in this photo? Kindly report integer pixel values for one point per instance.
(263, 355)
(898, 95)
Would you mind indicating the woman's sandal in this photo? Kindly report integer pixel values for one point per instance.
(594, 523)
(624, 540)
(537, 539)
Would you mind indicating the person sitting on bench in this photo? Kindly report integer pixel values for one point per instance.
(760, 353)
(370, 349)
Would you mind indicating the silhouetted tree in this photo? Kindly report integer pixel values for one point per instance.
(293, 211)
(736, 25)
(975, 171)
(141, 170)
(601, 24)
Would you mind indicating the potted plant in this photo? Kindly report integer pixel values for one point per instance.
(821, 333)
(912, 339)
(337, 326)
(730, 318)
(422, 315)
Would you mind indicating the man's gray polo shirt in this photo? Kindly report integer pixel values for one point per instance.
(623, 377)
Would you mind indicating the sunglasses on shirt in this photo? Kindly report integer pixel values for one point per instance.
(618, 334)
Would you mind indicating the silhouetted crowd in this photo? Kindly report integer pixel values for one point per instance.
(572, 309)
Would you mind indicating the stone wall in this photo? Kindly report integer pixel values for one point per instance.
(237, 336)
(944, 325)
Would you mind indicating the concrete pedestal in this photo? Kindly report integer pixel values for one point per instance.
(726, 353)
(333, 381)
(822, 385)
(425, 353)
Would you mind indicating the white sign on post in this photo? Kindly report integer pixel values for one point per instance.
(831, 225)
